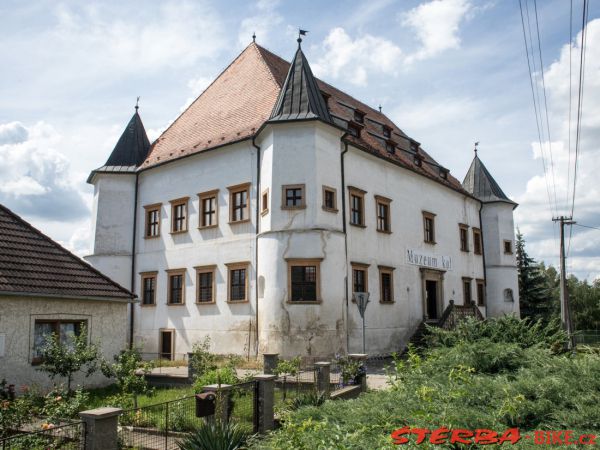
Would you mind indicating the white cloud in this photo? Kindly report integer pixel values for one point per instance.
(354, 59)
(262, 23)
(534, 214)
(12, 133)
(35, 179)
(436, 25)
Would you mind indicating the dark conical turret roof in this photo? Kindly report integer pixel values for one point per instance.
(300, 97)
(480, 183)
(131, 149)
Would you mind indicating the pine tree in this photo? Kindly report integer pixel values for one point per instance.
(535, 290)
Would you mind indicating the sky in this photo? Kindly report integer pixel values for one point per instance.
(447, 72)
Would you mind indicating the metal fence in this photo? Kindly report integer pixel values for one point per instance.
(587, 337)
(70, 436)
(243, 405)
(289, 387)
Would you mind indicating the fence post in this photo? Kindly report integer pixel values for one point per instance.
(222, 393)
(270, 361)
(101, 428)
(362, 357)
(191, 371)
(266, 401)
(323, 377)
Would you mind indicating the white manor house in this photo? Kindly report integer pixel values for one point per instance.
(272, 199)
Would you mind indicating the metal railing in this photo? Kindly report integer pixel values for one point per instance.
(587, 337)
(70, 436)
(167, 363)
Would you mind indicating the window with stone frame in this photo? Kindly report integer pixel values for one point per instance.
(357, 206)
(508, 247)
(237, 282)
(329, 199)
(304, 280)
(264, 206)
(480, 293)
(463, 231)
(293, 196)
(386, 284)
(239, 203)
(64, 329)
(477, 247)
(467, 295)
(152, 228)
(383, 206)
(209, 209)
(179, 215)
(360, 277)
(176, 287)
(429, 227)
(148, 282)
(206, 285)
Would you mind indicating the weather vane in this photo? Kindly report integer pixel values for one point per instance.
(475, 149)
(254, 37)
(301, 33)
(137, 102)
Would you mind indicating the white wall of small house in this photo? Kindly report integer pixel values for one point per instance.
(230, 326)
(106, 322)
(501, 267)
(390, 325)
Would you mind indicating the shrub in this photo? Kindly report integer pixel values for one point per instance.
(60, 404)
(224, 375)
(215, 435)
(125, 370)
(202, 360)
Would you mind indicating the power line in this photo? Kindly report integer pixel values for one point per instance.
(588, 226)
(570, 101)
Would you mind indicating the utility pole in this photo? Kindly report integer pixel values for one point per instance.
(565, 315)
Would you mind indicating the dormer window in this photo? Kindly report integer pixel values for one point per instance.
(390, 146)
(354, 129)
(387, 132)
(418, 160)
(444, 173)
(326, 97)
(359, 116)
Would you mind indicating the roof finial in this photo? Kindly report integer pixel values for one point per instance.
(379, 107)
(475, 149)
(137, 103)
(254, 36)
(301, 32)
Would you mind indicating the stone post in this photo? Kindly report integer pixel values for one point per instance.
(266, 401)
(362, 357)
(101, 428)
(270, 361)
(191, 371)
(323, 369)
(222, 393)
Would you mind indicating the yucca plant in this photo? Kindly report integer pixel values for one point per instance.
(215, 435)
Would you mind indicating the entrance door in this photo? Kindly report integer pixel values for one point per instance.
(431, 296)
(166, 344)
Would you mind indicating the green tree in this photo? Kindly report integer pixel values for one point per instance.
(535, 295)
(66, 359)
(584, 299)
(128, 370)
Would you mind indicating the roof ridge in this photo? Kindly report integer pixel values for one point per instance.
(260, 50)
(64, 251)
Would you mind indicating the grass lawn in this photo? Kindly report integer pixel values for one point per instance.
(100, 397)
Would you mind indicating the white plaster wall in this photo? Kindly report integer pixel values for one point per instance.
(106, 325)
(231, 326)
(390, 325)
(501, 268)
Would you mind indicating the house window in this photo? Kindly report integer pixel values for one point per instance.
(237, 282)
(176, 293)
(64, 330)
(205, 277)
(264, 202)
(418, 160)
(357, 207)
(386, 284)
(359, 116)
(152, 220)
(480, 292)
(303, 280)
(239, 209)
(329, 199)
(148, 288)
(477, 241)
(508, 247)
(429, 227)
(463, 231)
(179, 215)
(383, 214)
(387, 132)
(443, 173)
(292, 196)
(390, 147)
(508, 295)
(467, 298)
(354, 130)
(360, 277)
(209, 207)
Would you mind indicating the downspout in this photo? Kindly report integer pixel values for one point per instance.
(483, 253)
(258, 200)
(345, 241)
(132, 305)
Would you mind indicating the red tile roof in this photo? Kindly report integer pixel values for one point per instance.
(32, 263)
(241, 99)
